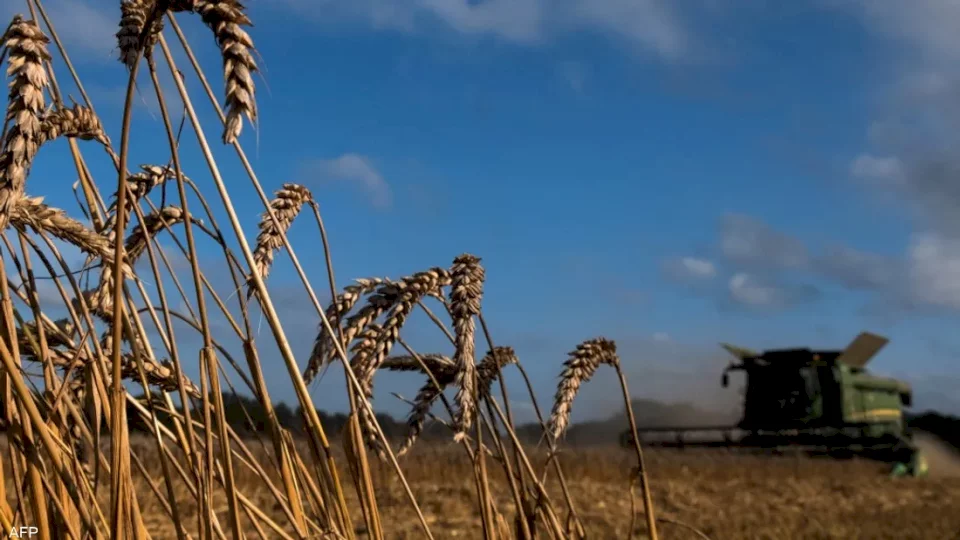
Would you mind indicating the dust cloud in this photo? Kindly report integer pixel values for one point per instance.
(673, 379)
(943, 460)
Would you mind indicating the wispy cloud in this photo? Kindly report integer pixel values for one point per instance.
(751, 242)
(855, 269)
(885, 170)
(654, 26)
(690, 269)
(84, 27)
(755, 292)
(355, 169)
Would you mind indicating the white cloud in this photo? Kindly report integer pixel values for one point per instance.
(746, 240)
(356, 169)
(886, 170)
(648, 23)
(690, 269)
(930, 25)
(746, 290)
(661, 337)
(85, 27)
(935, 270)
(749, 290)
(698, 267)
(857, 269)
(651, 25)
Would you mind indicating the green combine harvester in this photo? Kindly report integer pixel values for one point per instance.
(815, 402)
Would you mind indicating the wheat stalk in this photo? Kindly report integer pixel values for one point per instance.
(465, 295)
(578, 369)
(286, 207)
(27, 48)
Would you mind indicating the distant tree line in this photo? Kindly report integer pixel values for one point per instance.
(247, 417)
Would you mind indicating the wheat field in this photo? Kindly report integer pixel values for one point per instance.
(90, 346)
(698, 494)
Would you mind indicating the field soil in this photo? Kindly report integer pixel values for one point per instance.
(715, 493)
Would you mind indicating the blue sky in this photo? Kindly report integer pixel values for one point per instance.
(666, 174)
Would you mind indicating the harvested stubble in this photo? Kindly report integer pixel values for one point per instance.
(66, 383)
(726, 496)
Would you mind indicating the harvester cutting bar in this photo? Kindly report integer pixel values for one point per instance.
(815, 441)
(722, 436)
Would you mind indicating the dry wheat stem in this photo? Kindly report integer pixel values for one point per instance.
(27, 48)
(465, 295)
(578, 369)
(286, 207)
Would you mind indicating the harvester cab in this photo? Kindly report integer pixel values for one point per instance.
(804, 389)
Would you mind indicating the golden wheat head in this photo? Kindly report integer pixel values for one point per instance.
(466, 293)
(578, 369)
(286, 207)
(227, 18)
(323, 348)
(26, 47)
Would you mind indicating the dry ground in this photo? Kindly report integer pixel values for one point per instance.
(723, 495)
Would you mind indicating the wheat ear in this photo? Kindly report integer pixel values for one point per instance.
(77, 122)
(406, 293)
(491, 365)
(578, 369)
(226, 18)
(159, 374)
(139, 185)
(323, 344)
(27, 49)
(286, 207)
(366, 340)
(422, 403)
(436, 363)
(101, 299)
(32, 212)
(465, 294)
